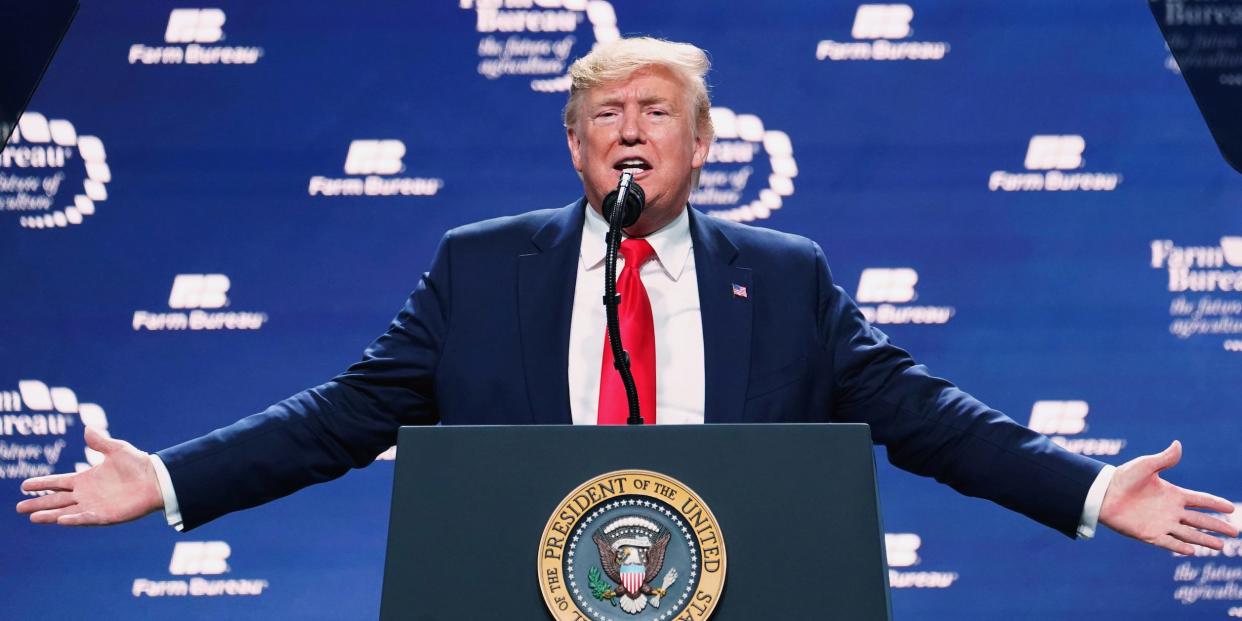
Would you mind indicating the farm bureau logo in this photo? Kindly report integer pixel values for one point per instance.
(1059, 419)
(188, 28)
(884, 294)
(634, 540)
(536, 38)
(726, 183)
(35, 172)
(374, 162)
(878, 30)
(1208, 281)
(198, 292)
(199, 558)
(1054, 154)
(902, 551)
(35, 425)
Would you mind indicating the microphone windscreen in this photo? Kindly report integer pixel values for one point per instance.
(635, 200)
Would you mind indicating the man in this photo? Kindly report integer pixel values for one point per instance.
(726, 323)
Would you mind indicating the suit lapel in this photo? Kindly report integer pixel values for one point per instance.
(726, 320)
(546, 278)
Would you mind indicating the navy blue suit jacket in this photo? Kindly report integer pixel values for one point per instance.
(484, 339)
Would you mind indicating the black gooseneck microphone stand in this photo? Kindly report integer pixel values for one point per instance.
(630, 198)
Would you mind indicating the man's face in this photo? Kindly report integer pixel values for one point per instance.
(645, 122)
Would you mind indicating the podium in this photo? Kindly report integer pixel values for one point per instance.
(668, 522)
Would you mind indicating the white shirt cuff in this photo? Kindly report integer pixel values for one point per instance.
(1095, 501)
(172, 510)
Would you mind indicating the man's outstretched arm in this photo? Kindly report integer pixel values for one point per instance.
(311, 437)
(934, 429)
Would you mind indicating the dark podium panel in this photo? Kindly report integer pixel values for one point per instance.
(796, 506)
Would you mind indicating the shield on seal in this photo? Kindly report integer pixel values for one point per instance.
(632, 577)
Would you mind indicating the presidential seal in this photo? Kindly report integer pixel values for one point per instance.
(632, 545)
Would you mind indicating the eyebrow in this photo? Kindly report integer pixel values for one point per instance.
(642, 101)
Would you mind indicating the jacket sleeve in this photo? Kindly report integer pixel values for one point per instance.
(933, 429)
(319, 434)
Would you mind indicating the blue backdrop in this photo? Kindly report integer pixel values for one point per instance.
(206, 209)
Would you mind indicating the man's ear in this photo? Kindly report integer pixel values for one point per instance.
(702, 144)
(575, 147)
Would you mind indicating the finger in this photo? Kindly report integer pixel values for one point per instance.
(1204, 500)
(1197, 537)
(1165, 459)
(100, 441)
(43, 503)
(82, 518)
(49, 483)
(51, 516)
(1207, 522)
(1168, 542)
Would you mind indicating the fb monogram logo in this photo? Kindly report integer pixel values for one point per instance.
(902, 549)
(1059, 417)
(1055, 152)
(199, 291)
(879, 284)
(194, 26)
(374, 157)
(882, 21)
(199, 557)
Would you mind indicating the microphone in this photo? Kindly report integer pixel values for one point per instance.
(632, 200)
(635, 200)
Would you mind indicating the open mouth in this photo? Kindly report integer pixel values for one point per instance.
(636, 165)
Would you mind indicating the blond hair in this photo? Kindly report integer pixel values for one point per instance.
(619, 59)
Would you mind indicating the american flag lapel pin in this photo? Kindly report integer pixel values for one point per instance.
(739, 291)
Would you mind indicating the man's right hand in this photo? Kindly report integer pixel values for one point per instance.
(121, 489)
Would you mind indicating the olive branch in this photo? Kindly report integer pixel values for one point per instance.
(601, 588)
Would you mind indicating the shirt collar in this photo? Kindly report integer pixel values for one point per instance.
(671, 243)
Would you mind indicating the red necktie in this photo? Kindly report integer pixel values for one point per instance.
(637, 337)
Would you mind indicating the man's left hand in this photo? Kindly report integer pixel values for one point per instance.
(1141, 505)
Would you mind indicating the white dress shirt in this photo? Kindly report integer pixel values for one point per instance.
(673, 288)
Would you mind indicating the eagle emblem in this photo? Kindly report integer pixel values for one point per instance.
(618, 538)
(631, 552)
